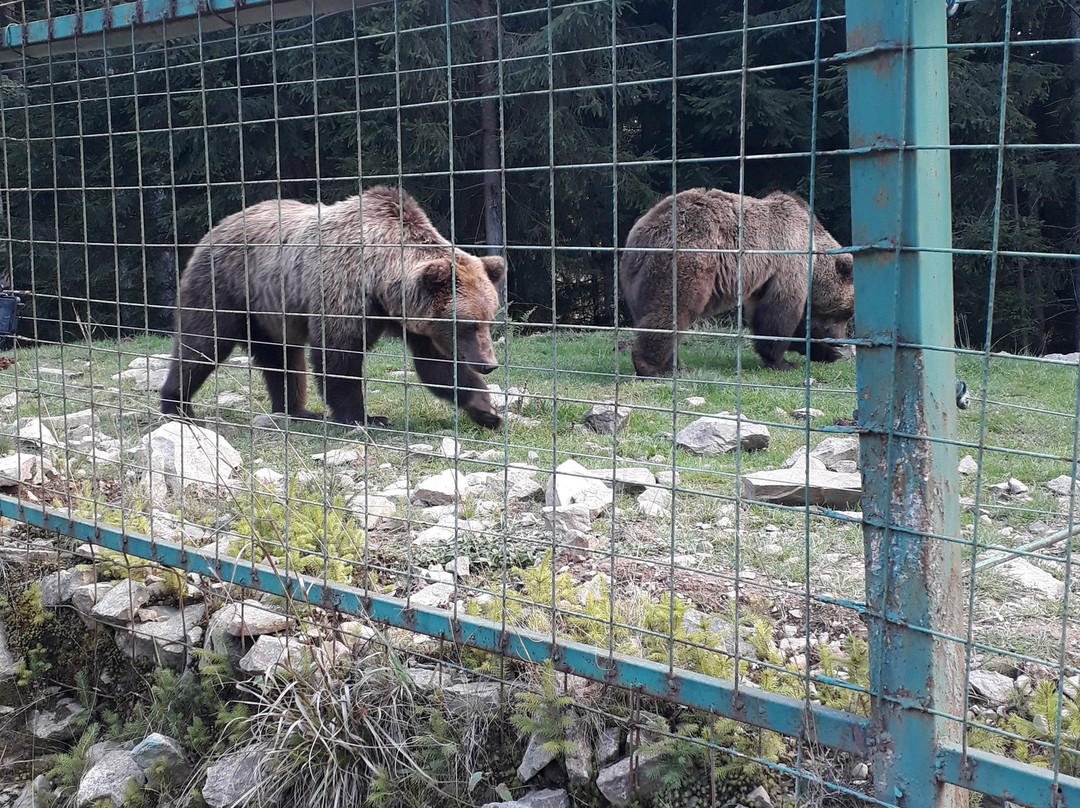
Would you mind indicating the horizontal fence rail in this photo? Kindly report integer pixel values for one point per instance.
(990, 774)
(151, 21)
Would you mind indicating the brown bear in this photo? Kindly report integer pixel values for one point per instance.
(282, 274)
(704, 267)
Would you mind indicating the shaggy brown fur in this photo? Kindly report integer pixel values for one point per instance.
(706, 276)
(280, 275)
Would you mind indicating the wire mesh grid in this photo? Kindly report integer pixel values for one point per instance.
(678, 567)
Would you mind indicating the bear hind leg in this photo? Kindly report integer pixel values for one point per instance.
(198, 348)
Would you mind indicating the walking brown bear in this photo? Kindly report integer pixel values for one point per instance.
(706, 273)
(280, 275)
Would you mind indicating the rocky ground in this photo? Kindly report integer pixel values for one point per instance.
(405, 525)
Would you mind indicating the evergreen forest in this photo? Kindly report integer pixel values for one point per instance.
(540, 132)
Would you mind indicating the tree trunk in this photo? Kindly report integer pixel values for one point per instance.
(489, 132)
(1076, 175)
(1023, 301)
(1039, 311)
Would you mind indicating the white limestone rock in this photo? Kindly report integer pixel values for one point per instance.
(339, 457)
(108, 778)
(795, 487)
(272, 650)
(565, 519)
(271, 478)
(834, 450)
(121, 602)
(372, 508)
(234, 776)
(71, 420)
(26, 468)
(180, 455)
(251, 618)
(607, 419)
(720, 434)
(443, 488)
(994, 687)
(654, 502)
(1027, 576)
(573, 484)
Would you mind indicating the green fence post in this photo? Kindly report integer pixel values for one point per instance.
(901, 228)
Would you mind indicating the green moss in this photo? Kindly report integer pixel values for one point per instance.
(310, 537)
(46, 645)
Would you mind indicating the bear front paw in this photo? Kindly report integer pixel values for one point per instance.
(484, 414)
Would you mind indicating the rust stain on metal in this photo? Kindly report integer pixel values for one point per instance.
(1057, 799)
(865, 35)
(738, 706)
(607, 665)
(329, 599)
(555, 653)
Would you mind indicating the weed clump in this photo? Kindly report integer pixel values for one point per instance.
(312, 538)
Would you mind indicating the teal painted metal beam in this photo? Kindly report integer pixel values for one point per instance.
(152, 21)
(991, 774)
(901, 228)
(980, 771)
(1007, 779)
(833, 728)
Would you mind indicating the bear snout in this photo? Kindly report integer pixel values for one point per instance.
(478, 353)
(483, 362)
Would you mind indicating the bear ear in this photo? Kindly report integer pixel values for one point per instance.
(845, 265)
(436, 275)
(494, 266)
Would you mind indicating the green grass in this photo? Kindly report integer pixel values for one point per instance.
(1028, 429)
(1023, 416)
(1030, 405)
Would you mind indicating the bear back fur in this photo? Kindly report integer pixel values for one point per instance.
(290, 260)
(672, 274)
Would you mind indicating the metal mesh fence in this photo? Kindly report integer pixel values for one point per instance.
(622, 462)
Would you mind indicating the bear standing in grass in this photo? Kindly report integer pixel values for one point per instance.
(280, 275)
(705, 270)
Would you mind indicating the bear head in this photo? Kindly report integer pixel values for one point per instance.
(461, 302)
(832, 305)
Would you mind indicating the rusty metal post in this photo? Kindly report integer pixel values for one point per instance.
(901, 229)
